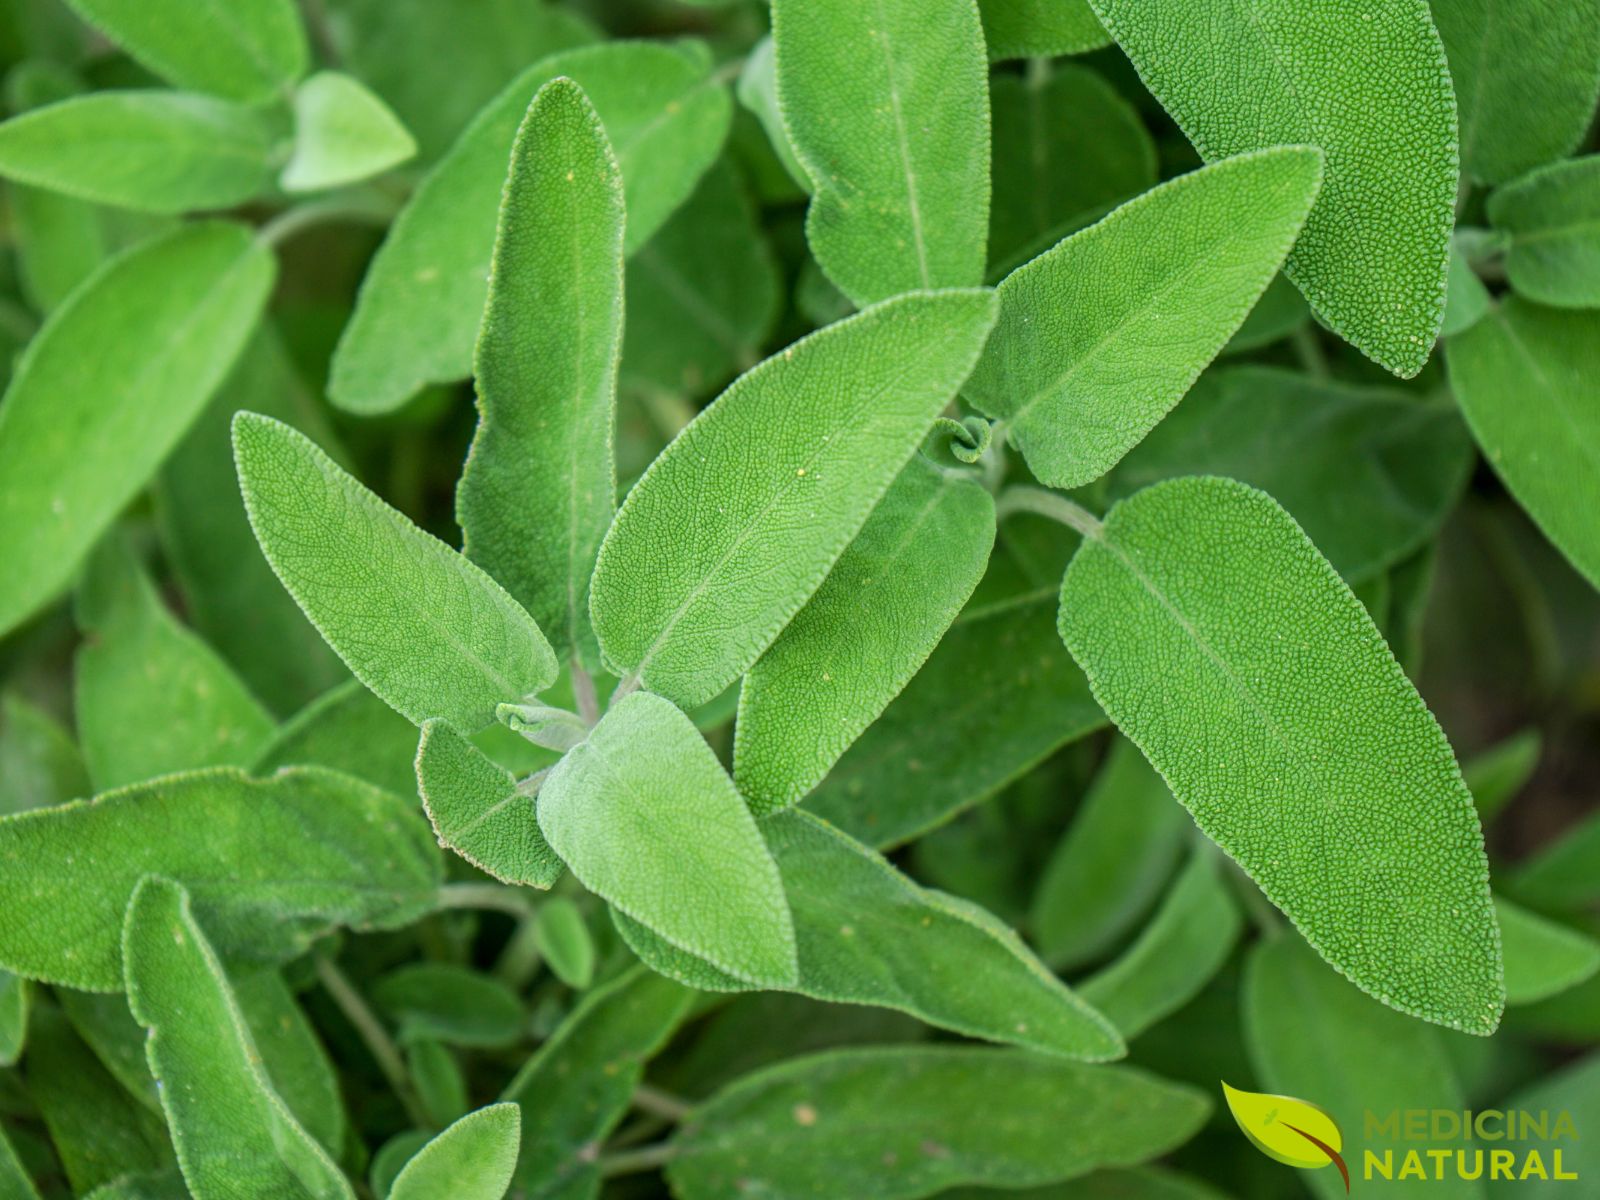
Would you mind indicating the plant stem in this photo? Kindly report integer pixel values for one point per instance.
(483, 895)
(1024, 498)
(360, 207)
(660, 1103)
(583, 693)
(1309, 347)
(645, 1158)
(376, 1038)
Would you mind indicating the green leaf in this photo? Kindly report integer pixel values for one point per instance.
(576, 1087)
(1039, 28)
(271, 864)
(241, 49)
(1495, 776)
(1293, 738)
(391, 1159)
(836, 416)
(152, 698)
(39, 764)
(1466, 299)
(1111, 865)
(539, 487)
(758, 92)
(1526, 74)
(416, 319)
(900, 1123)
(166, 1184)
(13, 1018)
(419, 624)
(863, 634)
(154, 151)
(1574, 1090)
(1278, 314)
(645, 816)
(887, 108)
(1099, 337)
(167, 320)
(478, 811)
(1369, 473)
(1524, 377)
(1565, 875)
(1551, 219)
(1543, 957)
(1369, 85)
(232, 1129)
(866, 934)
(564, 942)
(472, 1160)
(347, 729)
(14, 1181)
(449, 1003)
(342, 134)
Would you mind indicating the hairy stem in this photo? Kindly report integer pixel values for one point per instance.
(583, 693)
(1025, 498)
(375, 1037)
(645, 1158)
(493, 896)
(660, 1103)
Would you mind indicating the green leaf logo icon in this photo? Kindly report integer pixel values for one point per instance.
(1292, 1131)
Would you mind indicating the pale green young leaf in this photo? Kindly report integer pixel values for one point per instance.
(271, 864)
(474, 1159)
(1369, 85)
(900, 1123)
(342, 134)
(1574, 1090)
(417, 317)
(564, 942)
(758, 92)
(1466, 299)
(1286, 728)
(39, 762)
(1040, 28)
(866, 934)
(450, 1003)
(576, 1087)
(1526, 74)
(1099, 337)
(1112, 863)
(1551, 220)
(478, 811)
(1495, 776)
(421, 625)
(14, 1006)
(1543, 957)
(154, 151)
(863, 634)
(347, 729)
(687, 609)
(887, 108)
(14, 1180)
(166, 321)
(232, 1130)
(539, 487)
(645, 816)
(1524, 377)
(241, 49)
(151, 697)
(1565, 875)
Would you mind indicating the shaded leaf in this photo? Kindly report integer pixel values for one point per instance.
(1565, 875)
(449, 1003)
(564, 942)
(1551, 219)
(1575, 1090)
(39, 764)
(1495, 776)
(1542, 957)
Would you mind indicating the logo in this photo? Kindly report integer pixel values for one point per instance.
(1294, 1132)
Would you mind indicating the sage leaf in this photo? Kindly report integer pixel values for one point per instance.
(230, 1126)
(13, 1018)
(444, 1002)
(416, 319)
(837, 415)
(472, 1160)
(440, 1082)
(241, 49)
(418, 623)
(342, 134)
(1551, 219)
(1370, 87)
(1565, 875)
(1280, 311)
(881, 611)
(1131, 1183)
(1524, 379)
(1543, 957)
(1496, 775)
(1466, 299)
(539, 487)
(391, 1158)
(564, 942)
(1163, 282)
(1322, 762)
(887, 108)
(167, 320)
(898, 1123)
(166, 1184)
(1527, 73)
(758, 92)
(347, 729)
(1040, 28)
(39, 764)
(1572, 1089)
(271, 865)
(645, 816)
(13, 1176)
(153, 151)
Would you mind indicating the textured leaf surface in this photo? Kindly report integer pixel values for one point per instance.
(1552, 218)
(863, 634)
(687, 607)
(81, 434)
(1524, 377)
(899, 1122)
(888, 112)
(1543, 957)
(472, 1160)
(342, 134)
(419, 624)
(1204, 617)
(271, 864)
(417, 317)
(1367, 82)
(1040, 28)
(539, 487)
(1099, 337)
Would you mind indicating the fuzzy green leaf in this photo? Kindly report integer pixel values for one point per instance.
(271, 864)
(564, 942)
(1099, 337)
(342, 134)
(166, 321)
(417, 317)
(39, 764)
(644, 815)
(1040, 28)
(887, 107)
(1542, 956)
(688, 608)
(1228, 649)
(1524, 377)
(449, 1003)
(539, 487)
(901, 1123)
(472, 1160)
(419, 624)
(1368, 84)
(1551, 219)
(863, 634)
